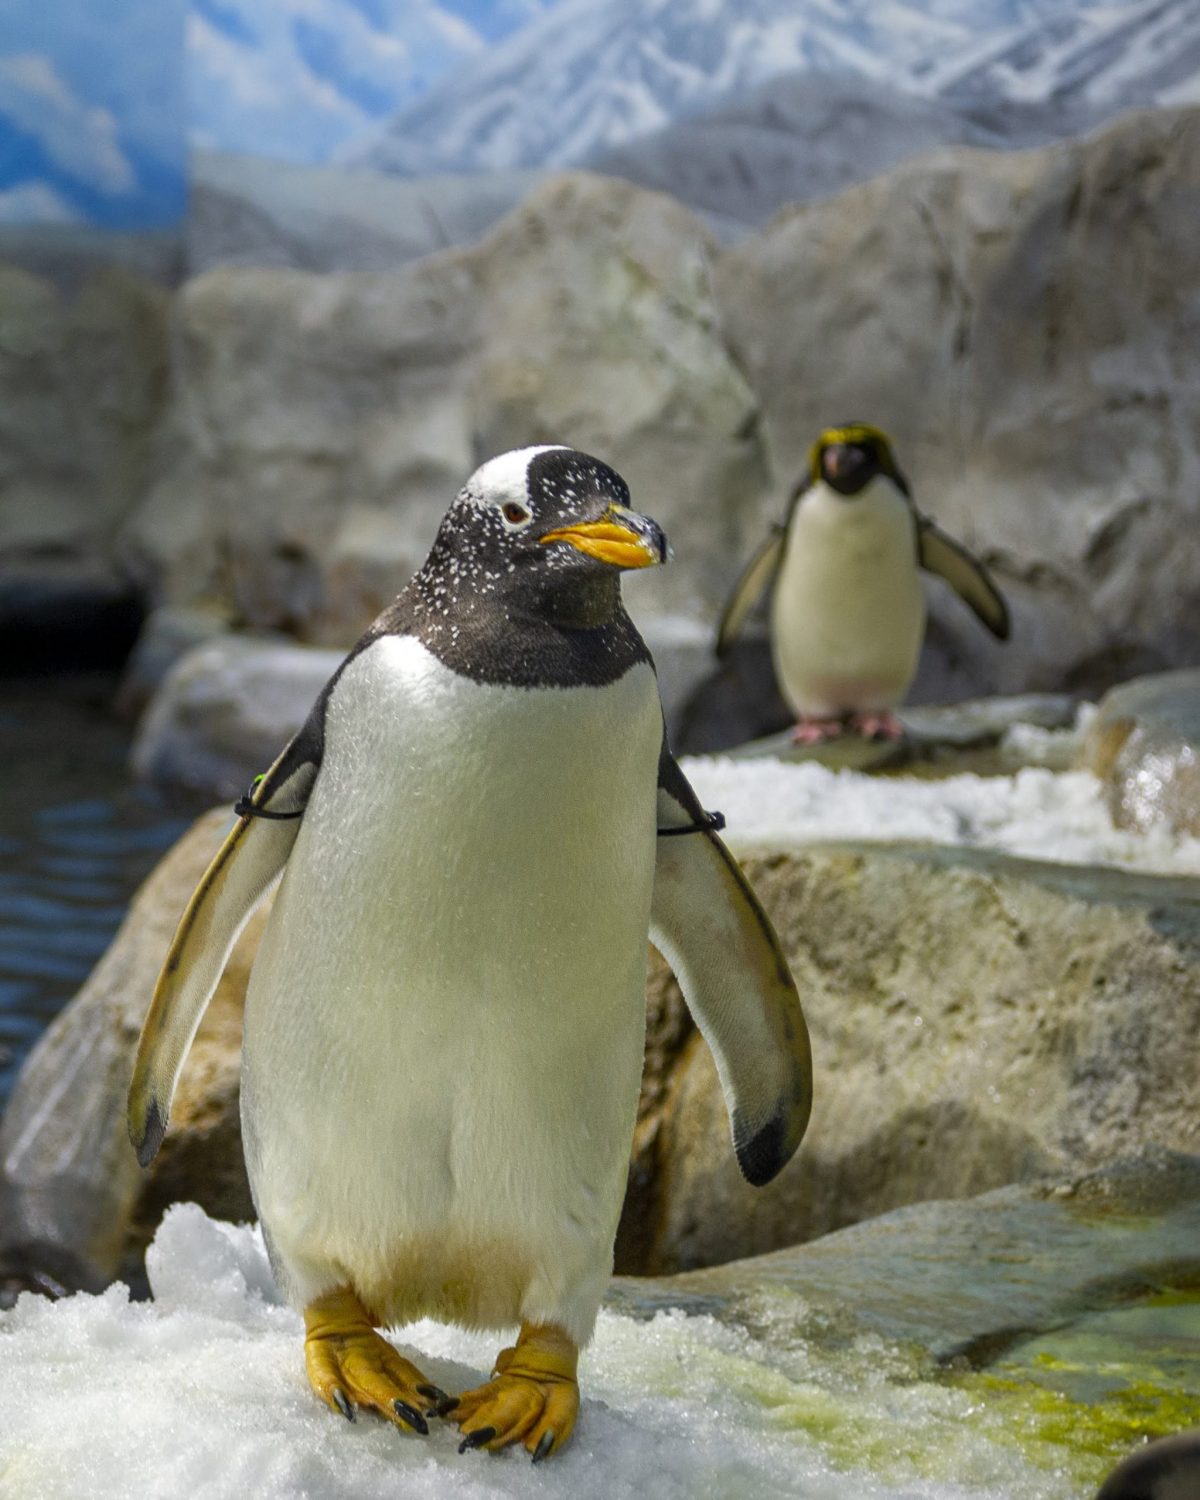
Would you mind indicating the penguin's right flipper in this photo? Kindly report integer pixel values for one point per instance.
(232, 886)
(757, 576)
(707, 923)
(941, 554)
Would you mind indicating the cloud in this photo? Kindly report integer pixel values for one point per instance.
(35, 203)
(297, 78)
(81, 139)
(125, 56)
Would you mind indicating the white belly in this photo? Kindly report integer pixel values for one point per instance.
(848, 611)
(445, 1022)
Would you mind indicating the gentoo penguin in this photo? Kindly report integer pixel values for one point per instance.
(847, 607)
(478, 826)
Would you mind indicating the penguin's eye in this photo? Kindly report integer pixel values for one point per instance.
(514, 514)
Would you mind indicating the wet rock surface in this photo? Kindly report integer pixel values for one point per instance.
(1144, 745)
(931, 735)
(967, 1281)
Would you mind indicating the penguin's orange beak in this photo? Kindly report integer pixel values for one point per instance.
(620, 537)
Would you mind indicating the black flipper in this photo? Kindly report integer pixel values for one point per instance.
(966, 575)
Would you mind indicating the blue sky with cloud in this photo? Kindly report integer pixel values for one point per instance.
(91, 117)
(99, 98)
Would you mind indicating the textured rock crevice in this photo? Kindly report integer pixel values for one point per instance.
(976, 1020)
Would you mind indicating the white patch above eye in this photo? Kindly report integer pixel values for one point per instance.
(502, 478)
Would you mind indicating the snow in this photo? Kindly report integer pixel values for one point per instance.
(202, 1393)
(1036, 813)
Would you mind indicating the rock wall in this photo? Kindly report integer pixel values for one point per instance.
(82, 391)
(976, 1020)
(321, 424)
(1024, 323)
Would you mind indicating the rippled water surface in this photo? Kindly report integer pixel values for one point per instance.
(77, 836)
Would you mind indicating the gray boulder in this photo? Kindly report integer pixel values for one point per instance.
(322, 424)
(165, 635)
(976, 1020)
(225, 710)
(952, 1277)
(82, 386)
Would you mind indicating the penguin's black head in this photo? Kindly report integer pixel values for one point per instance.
(523, 582)
(847, 458)
(551, 509)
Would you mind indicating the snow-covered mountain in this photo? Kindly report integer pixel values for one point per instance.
(590, 75)
(802, 136)
(1102, 57)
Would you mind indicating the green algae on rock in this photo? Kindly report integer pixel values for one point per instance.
(1060, 1319)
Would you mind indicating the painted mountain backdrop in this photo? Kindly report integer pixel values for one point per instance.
(297, 79)
(592, 74)
(97, 102)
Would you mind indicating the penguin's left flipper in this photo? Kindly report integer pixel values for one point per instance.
(708, 925)
(966, 575)
(232, 886)
(757, 576)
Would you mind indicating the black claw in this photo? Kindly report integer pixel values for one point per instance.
(411, 1415)
(441, 1402)
(343, 1405)
(477, 1439)
(545, 1443)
